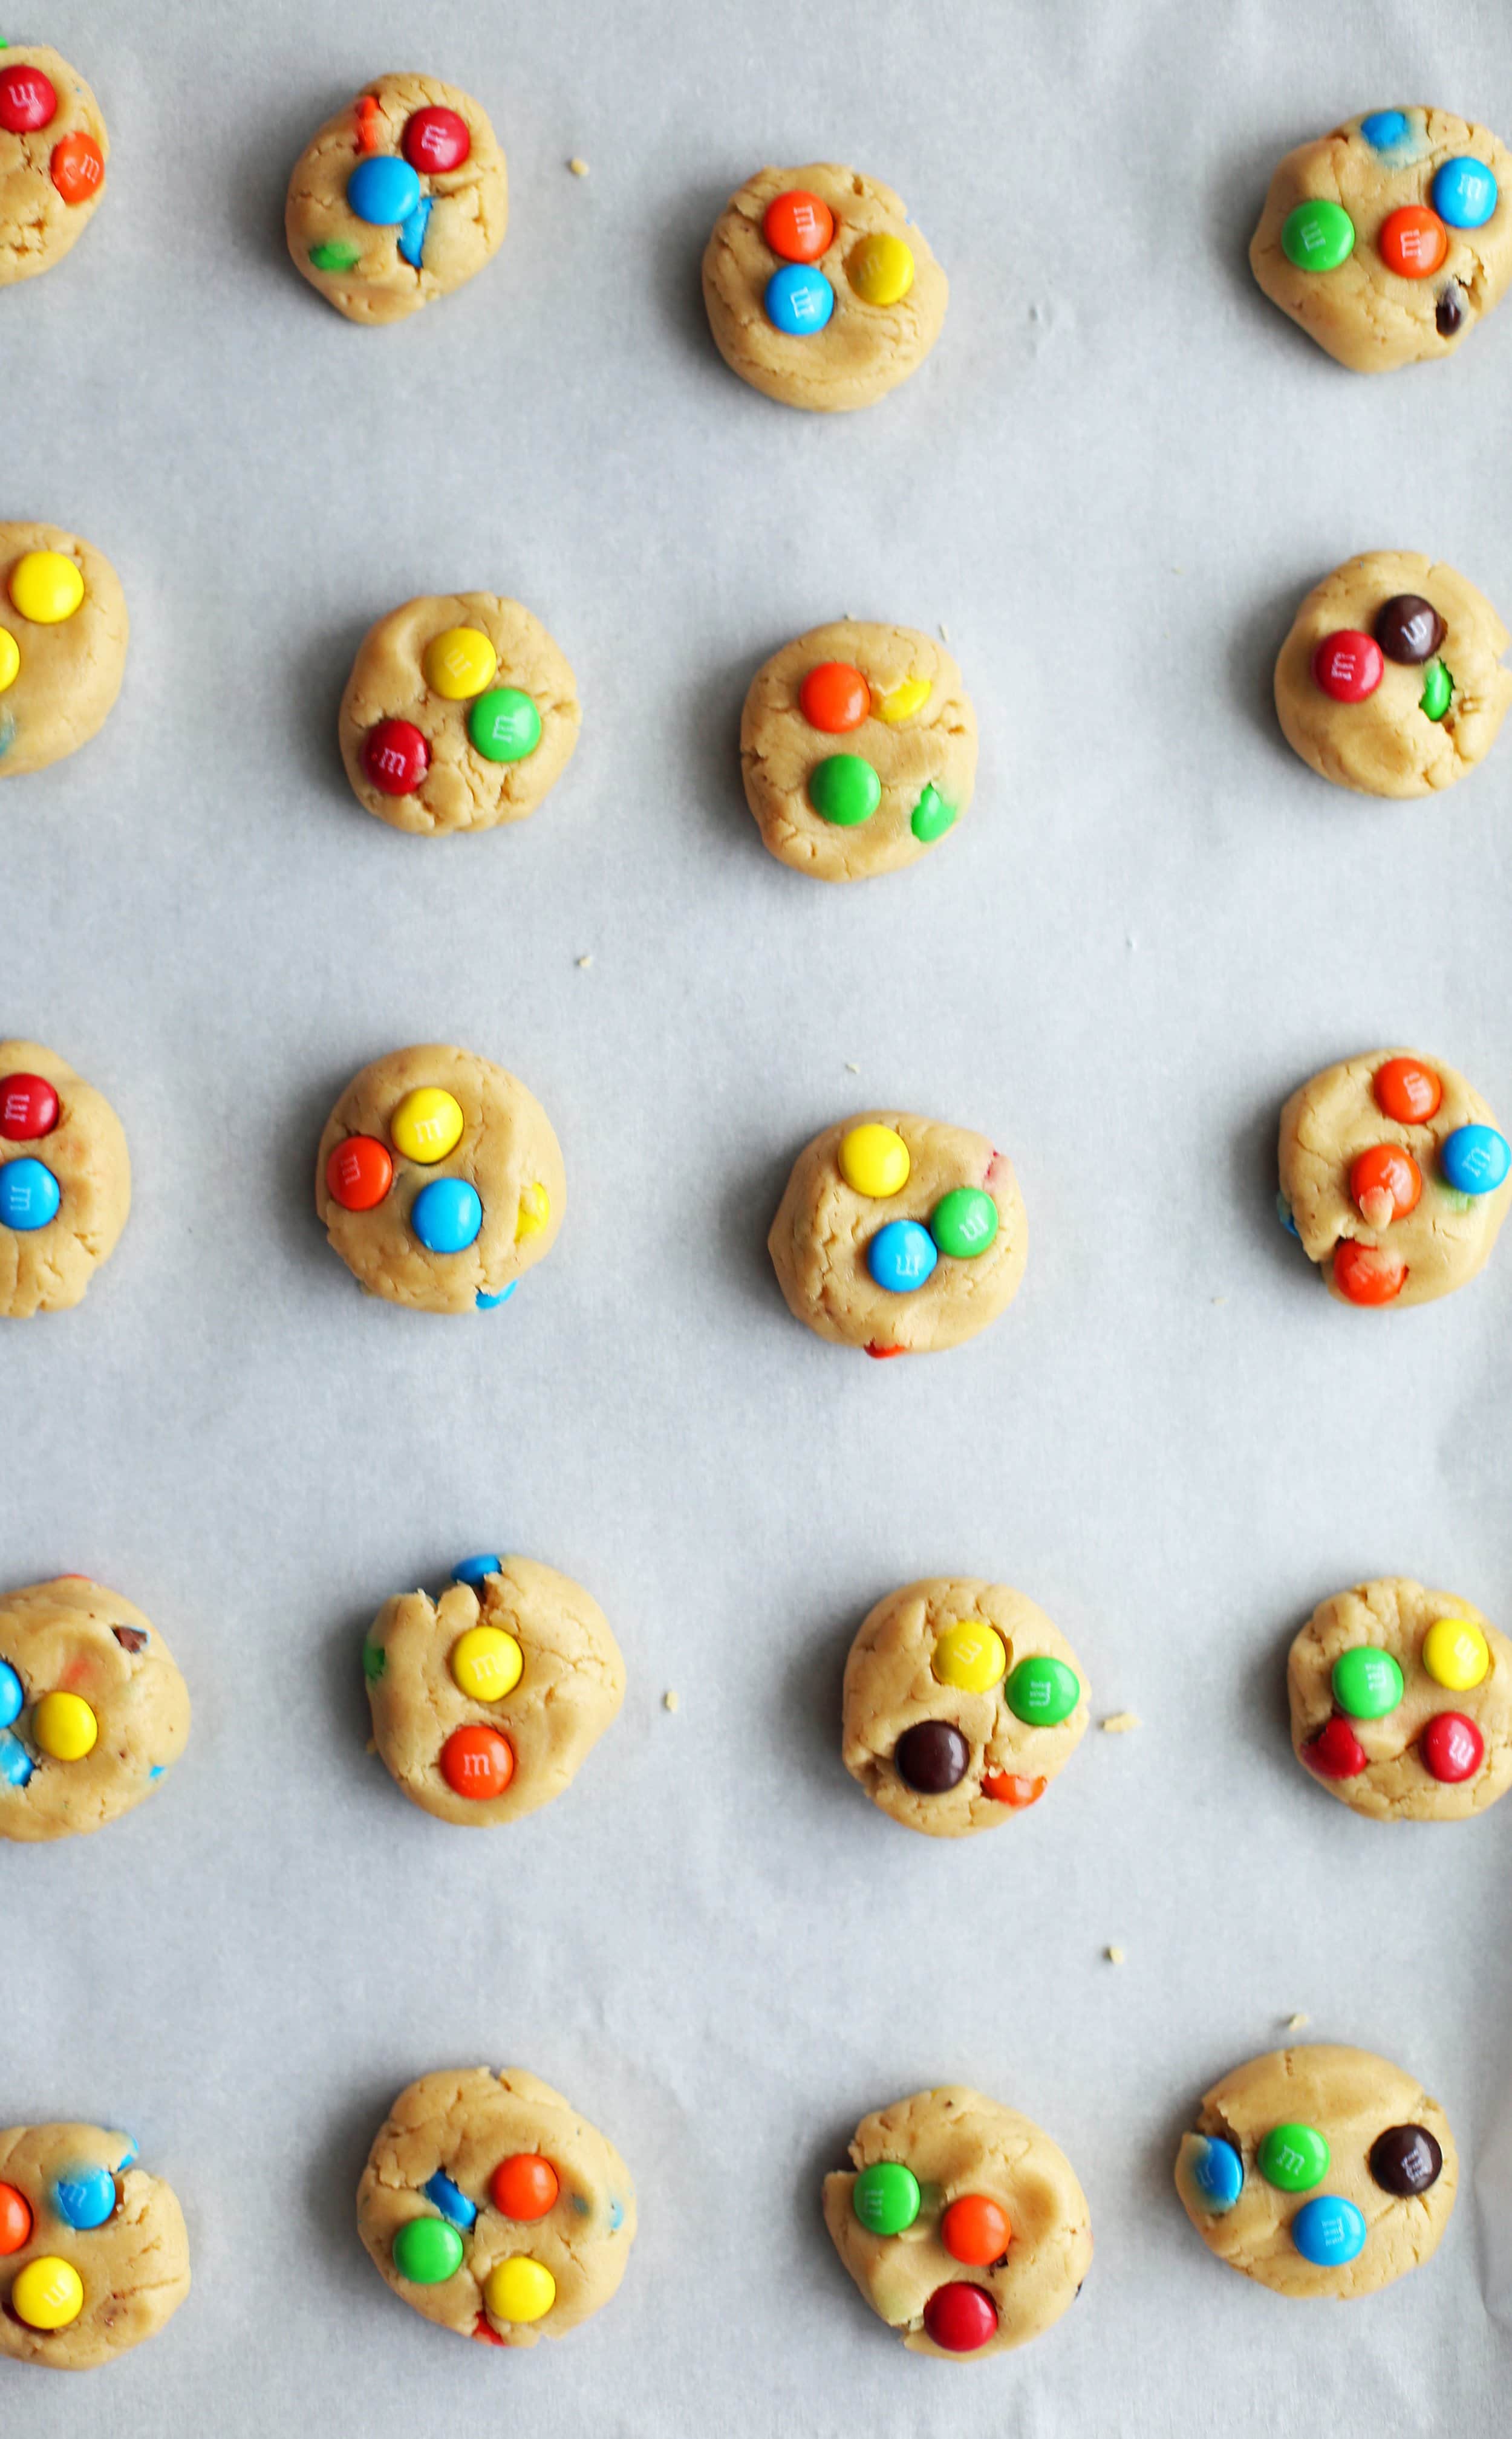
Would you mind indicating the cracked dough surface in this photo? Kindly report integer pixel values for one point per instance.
(819, 1237)
(469, 205)
(569, 1690)
(1366, 317)
(464, 2122)
(863, 350)
(37, 226)
(1330, 1120)
(958, 2142)
(461, 790)
(70, 673)
(1387, 745)
(46, 1269)
(1394, 1615)
(507, 1149)
(135, 2269)
(1350, 2097)
(937, 747)
(890, 1686)
(74, 1637)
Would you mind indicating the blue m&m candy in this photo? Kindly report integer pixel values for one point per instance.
(11, 1695)
(449, 2199)
(15, 1762)
(445, 1215)
(491, 1304)
(1329, 2231)
(84, 2197)
(799, 299)
(412, 236)
(1384, 129)
(383, 190)
(1465, 192)
(1475, 1160)
(476, 1571)
(28, 1195)
(901, 1257)
(1217, 2172)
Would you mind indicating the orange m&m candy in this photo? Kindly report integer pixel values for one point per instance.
(1385, 1182)
(359, 1173)
(1006, 1787)
(1412, 241)
(78, 165)
(525, 2185)
(834, 697)
(1407, 1091)
(15, 2220)
(1367, 1274)
(797, 225)
(975, 2230)
(477, 1762)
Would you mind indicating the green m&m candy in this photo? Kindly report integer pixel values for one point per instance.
(337, 255)
(1438, 690)
(505, 725)
(886, 2198)
(845, 789)
(1043, 1692)
(1317, 236)
(1366, 1683)
(1294, 2159)
(426, 2251)
(963, 1222)
(933, 816)
(374, 1660)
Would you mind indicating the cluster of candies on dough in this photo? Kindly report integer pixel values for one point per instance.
(460, 665)
(49, 2292)
(933, 1755)
(1348, 665)
(901, 1257)
(800, 298)
(1329, 2231)
(44, 588)
(447, 1214)
(888, 2198)
(384, 188)
(523, 2189)
(486, 1664)
(1367, 1683)
(65, 1727)
(1319, 235)
(844, 788)
(29, 1193)
(28, 105)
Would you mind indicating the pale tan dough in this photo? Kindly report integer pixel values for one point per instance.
(134, 2269)
(46, 1269)
(934, 747)
(1330, 1120)
(507, 1149)
(569, 1690)
(1350, 2097)
(1387, 745)
(72, 1636)
(956, 2142)
(1368, 317)
(464, 2122)
(37, 226)
(863, 350)
(890, 1684)
(1394, 1615)
(469, 205)
(70, 672)
(461, 789)
(819, 1237)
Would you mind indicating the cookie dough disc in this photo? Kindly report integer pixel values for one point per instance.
(1336, 1146)
(76, 1167)
(65, 667)
(491, 2270)
(501, 1175)
(866, 345)
(1336, 2216)
(432, 226)
(1426, 721)
(821, 1241)
(983, 1659)
(53, 152)
(915, 736)
(92, 1710)
(457, 785)
(1389, 1758)
(955, 2149)
(106, 2261)
(1366, 309)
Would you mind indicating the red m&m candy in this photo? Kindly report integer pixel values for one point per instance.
(359, 1173)
(396, 757)
(435, 139)
(1412, 241)
(1347, 665)
(1452, 1747)
(1407, 1091)
(477, 1762)
(29, 1108)
(799, 226)
(1367, 1274)
(961, 2317)
(77, 167)
(1385, 1183)
(28, 101)
(1336, 1752)
(834, 697)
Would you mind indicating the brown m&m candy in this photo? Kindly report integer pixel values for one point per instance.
(1407, 628)
(1406, 2160)
(931, 1757)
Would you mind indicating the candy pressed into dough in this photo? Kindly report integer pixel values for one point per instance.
(955, 1653)
(864, 349)
(131, 2268)
(1378, 1760)
(438, 2158)
(46, 1267)
(1352, 2100)
(381, 271)
(73, 1638)
(959, 2146)
(53, 152)
(65, 670)
(915, 737)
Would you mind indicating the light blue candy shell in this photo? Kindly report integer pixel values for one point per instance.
(491, 1304)
(445, 1215)
(1218, 2172)
(383, 190)
(476, 1571)
(450, 2201)
(13, 1696)
(1384, 129)
(28, 1195)
(84, 2197)
(15, 1762)
(1329, 2231)
(901, 1257)
(1475, 1160)
(799, 300)
(1465, 192)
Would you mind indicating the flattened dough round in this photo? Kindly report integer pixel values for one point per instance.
(1368, 317)
(47, 1268)
(70, 671)
(957, 2143)
(891, 1686)
(1387, 745)
(1394, 1615)
(462, 2123)
(461, 789)
(924, 757)
(39, 222)
(507, 1151)
(72, 1636)
(364, 270)
(863, 350)
(133, 2267)
(1351, 2099)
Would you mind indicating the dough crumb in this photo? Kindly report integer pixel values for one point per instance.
(851, 1067)
(586, 962)
(578, 166)
(1119, 1723)
(1115, 1955)
(945, 632)
(1294, 2024)
(669, 1699)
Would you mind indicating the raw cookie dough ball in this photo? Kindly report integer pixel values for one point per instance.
(898, 1233)
(1390, 681)
(487, 1703)
(439, 1180)
(1394, 1177)
(92, 1709)
(53, 152)
(1389, 238)
(966, 2229)
(857, 748)
(460, 713)
(65, 1182)
(401, 198)
(94, 2257)
(63, 632)
(1319, 2171)
(961, 1704)
(820, 290)
(492, 2208)
(1402, 1703)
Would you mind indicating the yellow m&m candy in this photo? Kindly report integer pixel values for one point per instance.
(486, 1662)
(64, 1726)
(10, 658)
(904, 700)
(1456, 1653)
(520, 2289)
(875, 1161)
(426, 1124)
(45, 587)
(970, 1656)
(48, 2293)
(880, 269)
(459, 663)
(535, 1210)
